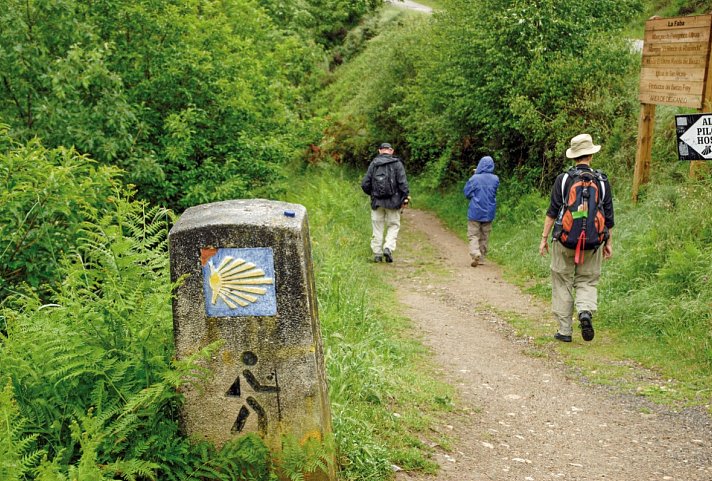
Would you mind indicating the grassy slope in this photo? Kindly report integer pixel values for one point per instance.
(667, 8)
(383, 392)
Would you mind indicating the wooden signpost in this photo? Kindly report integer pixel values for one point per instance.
(674, 71)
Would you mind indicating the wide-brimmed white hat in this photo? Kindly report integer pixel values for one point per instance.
(582, 144)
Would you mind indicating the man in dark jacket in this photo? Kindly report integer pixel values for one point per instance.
(386, 183)
(481, 189)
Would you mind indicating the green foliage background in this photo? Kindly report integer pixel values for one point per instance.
(513, 78)
(197, 100)
(112, 110)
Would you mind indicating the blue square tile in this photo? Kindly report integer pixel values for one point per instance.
(240, 282)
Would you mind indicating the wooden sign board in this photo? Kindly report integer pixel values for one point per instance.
(675, 56)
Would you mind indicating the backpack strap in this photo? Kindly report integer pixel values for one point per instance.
(563, 185)
(598, 175)
(572, 172)
(601, 182)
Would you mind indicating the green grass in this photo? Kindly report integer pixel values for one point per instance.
(383, 390)
(664, 8)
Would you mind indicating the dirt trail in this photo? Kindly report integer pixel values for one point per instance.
(410, 5)
(520, 417)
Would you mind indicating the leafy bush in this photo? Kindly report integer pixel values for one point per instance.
(327, 21)
(502, 77)
(46, 194)
(196, 101)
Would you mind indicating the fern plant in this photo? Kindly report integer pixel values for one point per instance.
(89, 368)
(18, 454)
(299, 459)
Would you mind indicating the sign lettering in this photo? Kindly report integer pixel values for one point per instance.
(675, 55)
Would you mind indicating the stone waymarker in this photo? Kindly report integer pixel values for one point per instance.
(248, 282)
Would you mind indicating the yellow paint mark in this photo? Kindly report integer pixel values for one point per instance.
(310, 435)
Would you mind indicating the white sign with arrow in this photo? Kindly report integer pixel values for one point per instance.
(697, 137)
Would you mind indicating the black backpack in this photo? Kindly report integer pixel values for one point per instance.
(581, 223)
(382, 182)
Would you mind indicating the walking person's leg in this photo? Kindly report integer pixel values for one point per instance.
(473, 235)
(585, 282)
(378, 217)
(485, 229)
(562, 285)
(392, 219)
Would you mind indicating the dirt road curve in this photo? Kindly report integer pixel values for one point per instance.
(410, 5)
(518, 416)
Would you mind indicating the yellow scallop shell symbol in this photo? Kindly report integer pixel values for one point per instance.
(235, 280)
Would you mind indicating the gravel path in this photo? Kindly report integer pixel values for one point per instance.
(410, 5)
(519, 416)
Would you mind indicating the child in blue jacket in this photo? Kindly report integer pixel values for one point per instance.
(481, 189)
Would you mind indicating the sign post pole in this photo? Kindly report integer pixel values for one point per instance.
(646, 126)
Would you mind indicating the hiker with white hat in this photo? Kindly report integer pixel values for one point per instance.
(580, 219)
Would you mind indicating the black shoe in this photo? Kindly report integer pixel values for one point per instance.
(586, 326)
(387, 254)
(562, 337)
(377, 258)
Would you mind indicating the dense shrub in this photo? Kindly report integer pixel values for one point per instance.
(326, 21)
(509, 77)
(196, 101)
(45, 195)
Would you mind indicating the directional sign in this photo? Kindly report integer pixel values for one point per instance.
(674, 63)
(694, 136)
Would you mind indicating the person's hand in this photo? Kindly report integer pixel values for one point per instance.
(405, 203)
(608, 251)
(544, 246)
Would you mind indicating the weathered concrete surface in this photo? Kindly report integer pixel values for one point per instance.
(268, 375)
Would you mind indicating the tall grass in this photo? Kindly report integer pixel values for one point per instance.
(382, 392)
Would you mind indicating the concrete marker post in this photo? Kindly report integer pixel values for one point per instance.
(249, 283)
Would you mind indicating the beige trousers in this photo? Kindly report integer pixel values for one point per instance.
(478, 234)
(567, 277)
(390, 220)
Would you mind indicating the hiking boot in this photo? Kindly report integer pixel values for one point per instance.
(377, 258)
(387, 254)
(475, 261)
(562, 337)
(586, 325)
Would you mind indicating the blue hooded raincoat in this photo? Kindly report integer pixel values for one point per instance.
(481, 189)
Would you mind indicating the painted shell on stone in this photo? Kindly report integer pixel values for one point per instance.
(235, 281)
